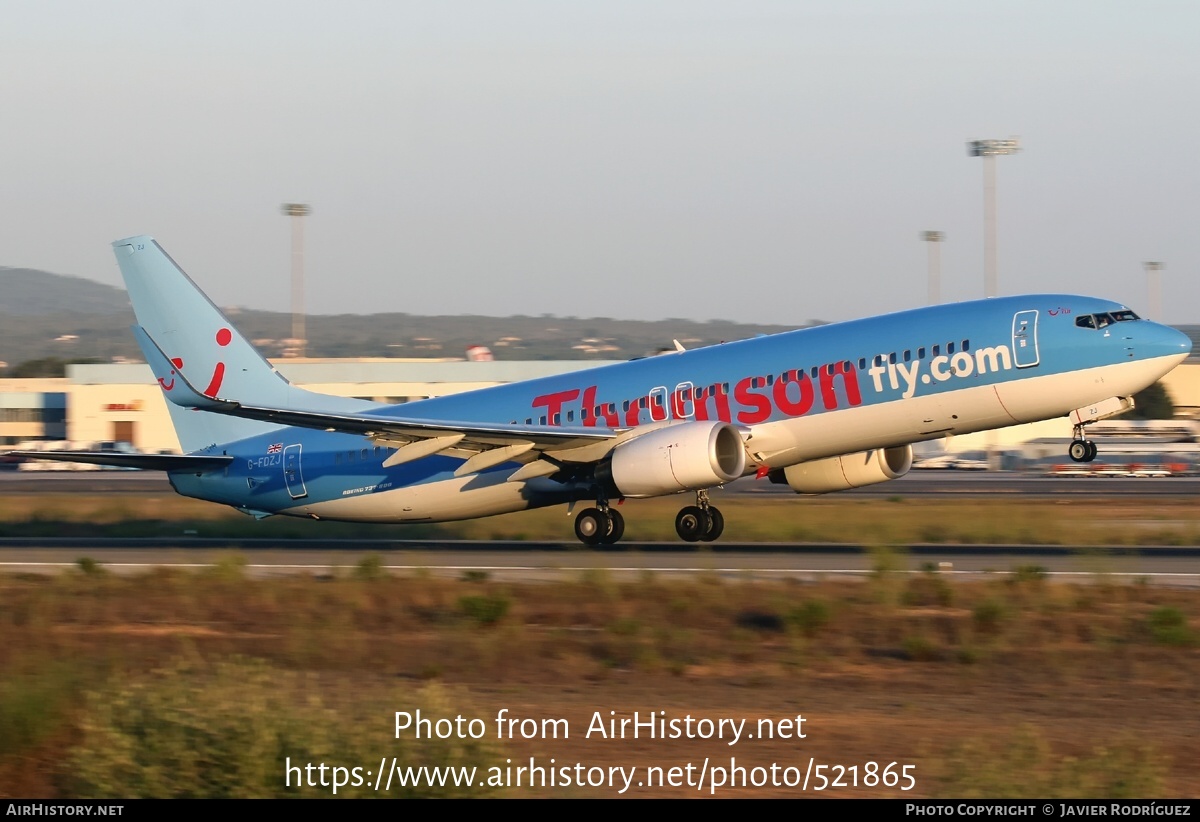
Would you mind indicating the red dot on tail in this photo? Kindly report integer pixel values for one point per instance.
(224, 336)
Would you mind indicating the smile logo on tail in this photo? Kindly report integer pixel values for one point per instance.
(224, 337)
(178, 363)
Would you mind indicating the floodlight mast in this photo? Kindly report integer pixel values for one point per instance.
(989, 150)
(298, 211)
(1154, 289)
(934, 239)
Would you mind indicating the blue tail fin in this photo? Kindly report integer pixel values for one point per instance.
(199, 339)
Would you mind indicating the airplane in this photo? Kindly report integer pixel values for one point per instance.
(820, 409)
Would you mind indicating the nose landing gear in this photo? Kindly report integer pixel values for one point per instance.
(1081, 450)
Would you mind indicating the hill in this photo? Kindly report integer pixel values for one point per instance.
(48, 315)
(31, 293)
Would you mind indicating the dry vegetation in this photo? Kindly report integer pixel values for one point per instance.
(201, 683)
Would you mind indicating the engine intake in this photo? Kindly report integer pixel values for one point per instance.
(684, 457)
(847, 471)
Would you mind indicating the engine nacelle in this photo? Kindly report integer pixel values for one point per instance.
(685, 457)
(847, 471)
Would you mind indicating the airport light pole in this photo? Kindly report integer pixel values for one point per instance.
(989, 150)
(298, 211)
(934, 239)
(1154, 289)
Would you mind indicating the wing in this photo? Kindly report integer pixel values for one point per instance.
(542, 449)
(149, 462)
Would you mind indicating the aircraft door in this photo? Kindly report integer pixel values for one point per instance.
(1024, 339)
(682, 401)
(658, 403)
(293, 476)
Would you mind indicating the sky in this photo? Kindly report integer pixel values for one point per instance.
(758, 161)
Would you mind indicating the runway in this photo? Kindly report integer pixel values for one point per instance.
(544, 561)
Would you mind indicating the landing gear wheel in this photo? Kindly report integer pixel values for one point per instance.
(716, 524)
(1083, 451)
(616, 527)
(692, 523)
(592, 526)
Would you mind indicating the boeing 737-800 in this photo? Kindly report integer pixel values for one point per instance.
(821, 409)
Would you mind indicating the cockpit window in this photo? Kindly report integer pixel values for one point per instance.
(1106, 319)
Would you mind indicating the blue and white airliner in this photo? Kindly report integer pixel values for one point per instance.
(820, 409)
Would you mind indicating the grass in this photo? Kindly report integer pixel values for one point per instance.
(203, 683)
(1008, 687)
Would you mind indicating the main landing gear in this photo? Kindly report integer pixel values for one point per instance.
(1081, 450)
(701, 522)
(603, 525)
(599, 526)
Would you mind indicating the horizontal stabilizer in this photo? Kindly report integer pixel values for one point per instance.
(149, 462)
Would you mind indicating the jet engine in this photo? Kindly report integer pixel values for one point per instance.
(684, 457)
(846, 471)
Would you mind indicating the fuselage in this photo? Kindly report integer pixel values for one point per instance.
(804, 395)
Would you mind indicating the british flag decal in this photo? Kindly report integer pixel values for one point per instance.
(275, 448)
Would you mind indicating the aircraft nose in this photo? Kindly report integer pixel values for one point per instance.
(1164, 341)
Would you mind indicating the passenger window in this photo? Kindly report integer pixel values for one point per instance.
(966, 345)
(907, 355)
(949, 348)
(937, 350)
(921, 353)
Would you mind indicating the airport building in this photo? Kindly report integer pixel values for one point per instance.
(33, 410)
